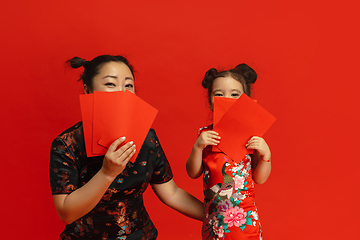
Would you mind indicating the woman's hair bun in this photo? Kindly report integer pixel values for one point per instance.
(248, 73)
(77, 62)
(209, 77)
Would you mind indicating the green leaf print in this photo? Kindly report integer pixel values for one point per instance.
(248, 221)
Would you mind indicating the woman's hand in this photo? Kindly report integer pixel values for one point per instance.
(259, 144)
(116, 158)
(207, 138)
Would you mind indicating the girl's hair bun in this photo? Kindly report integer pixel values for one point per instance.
(209, 77)
(246, 71)
(77, 62)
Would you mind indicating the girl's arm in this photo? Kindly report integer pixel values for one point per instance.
(178, 199)
(73, 206)
(261, 159)
(194, 165)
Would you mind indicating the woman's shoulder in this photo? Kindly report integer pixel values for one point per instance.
(72, 135)
(152, 137)
(75, 128)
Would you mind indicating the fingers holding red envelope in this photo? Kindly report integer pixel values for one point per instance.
(259, 144)
(208, 138)
(116, 158)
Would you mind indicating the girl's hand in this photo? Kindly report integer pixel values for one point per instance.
(207, 138)
(259, 144)
(115, 159)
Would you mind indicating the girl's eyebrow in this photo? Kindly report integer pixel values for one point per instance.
(237, 90)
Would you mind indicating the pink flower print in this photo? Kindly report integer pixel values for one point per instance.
(234, 216)
(224, 205)
(239, 182)
(218, 230)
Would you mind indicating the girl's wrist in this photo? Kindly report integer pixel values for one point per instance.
(197, 147)
(266, 158)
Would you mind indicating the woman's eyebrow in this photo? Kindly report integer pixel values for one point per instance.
(111, 76)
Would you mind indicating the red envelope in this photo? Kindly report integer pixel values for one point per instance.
(244, 119)
(105, 104)
(221, 106)
(132, 118)
(86, 105)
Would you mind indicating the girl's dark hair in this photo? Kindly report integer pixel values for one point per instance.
(91, 68)
(242, 73)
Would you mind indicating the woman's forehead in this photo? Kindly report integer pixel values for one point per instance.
(115, 69)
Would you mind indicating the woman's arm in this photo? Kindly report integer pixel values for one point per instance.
(173, 196)
(81, 201)
(261, 159)
(194, 165)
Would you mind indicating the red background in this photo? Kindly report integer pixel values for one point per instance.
(306, 54)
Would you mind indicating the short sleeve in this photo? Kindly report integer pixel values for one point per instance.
(162, 170)
(64, 174)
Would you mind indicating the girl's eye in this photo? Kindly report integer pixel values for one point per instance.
(218, 94)
(129, 86)
(235, 95)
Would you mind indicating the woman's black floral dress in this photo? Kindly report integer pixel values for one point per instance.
(121, 213)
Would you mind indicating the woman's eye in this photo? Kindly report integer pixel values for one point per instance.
(110, 84)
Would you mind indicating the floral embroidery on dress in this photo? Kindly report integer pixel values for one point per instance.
(223, 202)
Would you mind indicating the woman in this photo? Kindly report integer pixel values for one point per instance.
(101, 197)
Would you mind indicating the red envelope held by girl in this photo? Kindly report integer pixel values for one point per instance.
(237, 121)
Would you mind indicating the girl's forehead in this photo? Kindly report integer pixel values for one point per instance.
(224, 82)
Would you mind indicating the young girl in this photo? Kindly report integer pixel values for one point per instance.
(230, 210)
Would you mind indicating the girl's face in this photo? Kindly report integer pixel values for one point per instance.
(226, 87)
(113, 76)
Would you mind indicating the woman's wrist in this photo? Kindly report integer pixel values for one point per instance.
(108, 177)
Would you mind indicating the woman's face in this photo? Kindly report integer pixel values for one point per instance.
(226, 87)
(113, 76)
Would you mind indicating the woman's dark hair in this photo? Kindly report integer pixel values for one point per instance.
(91, 68)
(242, 73)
